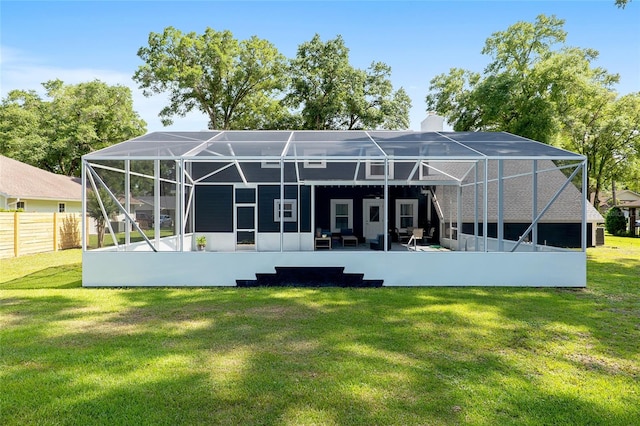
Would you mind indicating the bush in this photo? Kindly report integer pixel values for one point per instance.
(615, 222)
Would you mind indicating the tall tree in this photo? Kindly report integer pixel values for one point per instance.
(512, 95)
(332, 94)
(606, 131)
(536, 87)
(227, 79)
(73, 120)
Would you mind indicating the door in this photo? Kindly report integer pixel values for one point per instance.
(245, 227)
(373, 218)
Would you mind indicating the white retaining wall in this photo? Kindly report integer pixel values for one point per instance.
(541, 269)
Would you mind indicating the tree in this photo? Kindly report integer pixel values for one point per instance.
(228, 80)
(94, 210)
(513, 95)
(551, 95)
(614, 222)
(332, 94)
(73, 120)
(622, 3)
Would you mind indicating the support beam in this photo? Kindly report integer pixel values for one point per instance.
(156, 203)
(534, 204)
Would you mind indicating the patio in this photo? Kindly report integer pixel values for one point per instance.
(281, 198)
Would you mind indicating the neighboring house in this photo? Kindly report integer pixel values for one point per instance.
(629, 202)
(35, 190)
(496, 209)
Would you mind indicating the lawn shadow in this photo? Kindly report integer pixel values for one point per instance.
(325, 356)
(55, 277)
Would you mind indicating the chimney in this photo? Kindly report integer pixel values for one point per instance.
(433, 123)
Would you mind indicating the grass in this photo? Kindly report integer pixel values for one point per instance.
(437, 356)
(134, 237)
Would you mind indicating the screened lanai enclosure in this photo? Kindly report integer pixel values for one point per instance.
(362, 208)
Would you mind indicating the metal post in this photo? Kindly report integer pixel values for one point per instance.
(500, 205)
(534, 204)
(180, 210)
(156, 203)
(280, 212)
(83, 219)
(475, 209)
(585, 183)
(459, 217)
(485, 213)
(386, 203)
(127, 203)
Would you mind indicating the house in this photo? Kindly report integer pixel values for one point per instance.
(393, 208)
(35, 190)
(629, 203)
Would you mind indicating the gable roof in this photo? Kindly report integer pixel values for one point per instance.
(20, 180)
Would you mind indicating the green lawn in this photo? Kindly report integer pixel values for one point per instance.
(480, 356)
(134, 236)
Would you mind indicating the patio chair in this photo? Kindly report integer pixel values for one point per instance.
(430, 235)
(378, 243)
(416, 235)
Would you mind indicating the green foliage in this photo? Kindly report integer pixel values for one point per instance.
(614, 221)
(537, 87)
(334, 95)
(228, 80)
(53, 134)
(249, 85)
(95, 205)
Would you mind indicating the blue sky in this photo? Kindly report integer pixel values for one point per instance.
(84, 40)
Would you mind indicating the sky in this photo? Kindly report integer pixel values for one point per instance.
(79, 41)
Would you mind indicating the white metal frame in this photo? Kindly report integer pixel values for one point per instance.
(185, 187)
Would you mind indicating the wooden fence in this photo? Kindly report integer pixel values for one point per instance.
(28, 233)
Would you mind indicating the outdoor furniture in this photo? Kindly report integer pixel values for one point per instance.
(347, 237)
(378, 243)
(349, 240)
(416, 235)
(323, 242)
(430, 235)
(404, 235)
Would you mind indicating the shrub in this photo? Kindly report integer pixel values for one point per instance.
(615, 222)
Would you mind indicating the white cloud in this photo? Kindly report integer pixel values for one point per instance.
(20, 71)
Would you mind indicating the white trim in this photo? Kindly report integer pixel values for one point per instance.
(315, 163)
(412, 202)
(334, 203)
(370, 164)
(293, 210)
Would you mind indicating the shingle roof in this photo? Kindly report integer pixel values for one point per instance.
(20, 180)
(517, 194)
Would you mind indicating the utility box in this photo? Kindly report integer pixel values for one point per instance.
(599, 236)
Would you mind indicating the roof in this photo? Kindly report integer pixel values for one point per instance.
(518, 195)
(353, 144)
(20, 180)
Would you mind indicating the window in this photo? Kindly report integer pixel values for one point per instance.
(341, 215)
(406, 214)
(61, 208)
(20, 205)
(269, 164)
(424, 170)
(375, 169)
(315, 163)
(289, 210)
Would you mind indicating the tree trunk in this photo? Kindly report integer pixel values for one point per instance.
(613, 190)
(100, 230)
